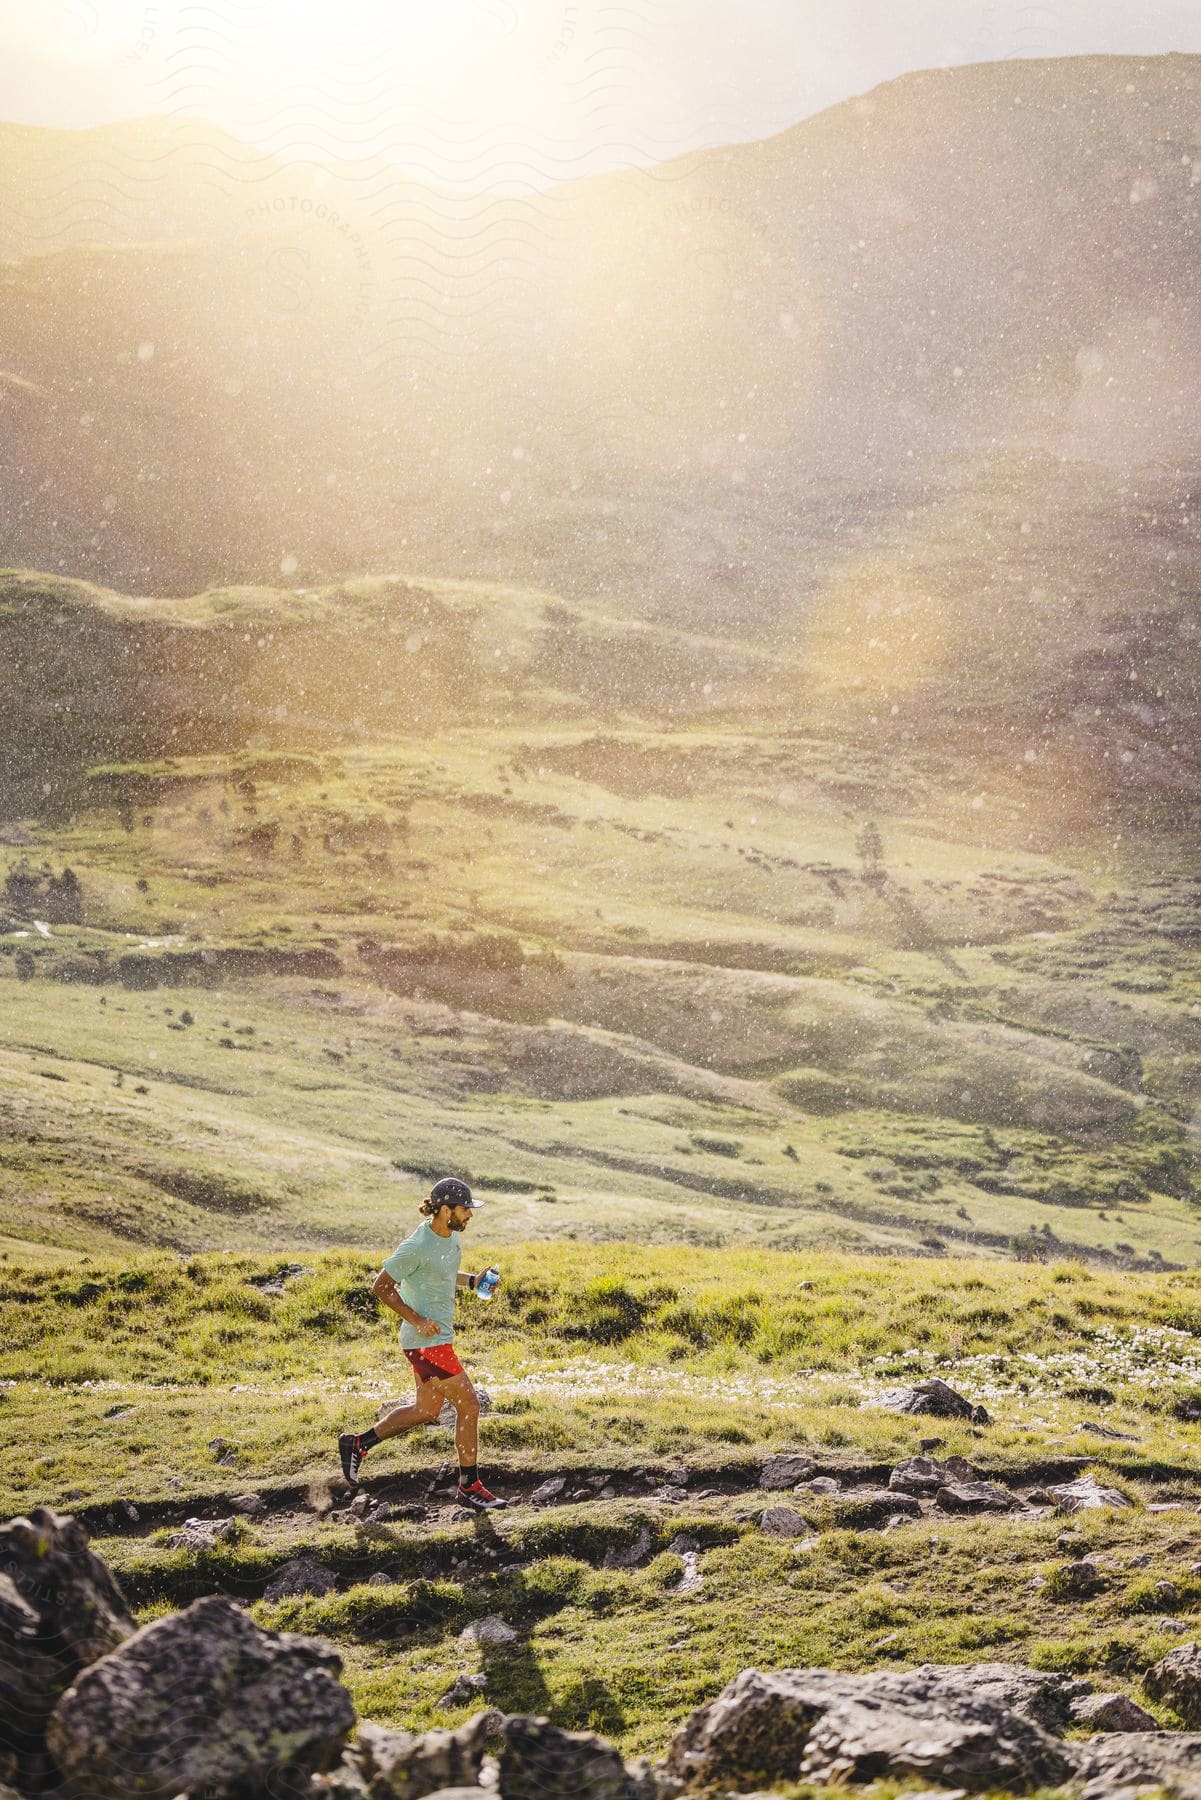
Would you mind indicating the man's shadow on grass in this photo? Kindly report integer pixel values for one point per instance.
(513, 1675)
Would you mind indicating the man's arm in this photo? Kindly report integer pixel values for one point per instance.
(385, 1289)
(465, 1281)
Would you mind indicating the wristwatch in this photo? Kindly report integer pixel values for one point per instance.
(471, 1282)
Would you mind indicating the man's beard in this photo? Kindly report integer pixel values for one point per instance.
(455, 1226)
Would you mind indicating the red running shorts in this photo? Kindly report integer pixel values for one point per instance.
(437, 1363)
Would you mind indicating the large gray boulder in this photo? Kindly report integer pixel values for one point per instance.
(539, 1761)
(202, 1700)
(935, 1397)
(944, 1737)
(398, 1765)
(1122, 1762)
(974, 1728)
(60, 1609)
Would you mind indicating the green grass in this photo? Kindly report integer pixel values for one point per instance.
(619, 1363)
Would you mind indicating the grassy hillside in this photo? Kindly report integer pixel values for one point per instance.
(418, 876)
(657, 1381)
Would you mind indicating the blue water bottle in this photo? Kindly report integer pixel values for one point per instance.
(487, 1284)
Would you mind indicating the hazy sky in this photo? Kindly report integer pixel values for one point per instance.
(475, 92)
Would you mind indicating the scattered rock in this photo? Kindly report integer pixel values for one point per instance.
(396, 1765)
(783, 1522)
(927, 1445)
(539, 1760)
(941, 1723)
(202, 1699)
(203, 1534)
(786, 1471)
(1076, 1580)
(973, 1497)
(277, 1282)
(250, 1506)
(922, 1476)
(936, 1397)
(463, 1690)
(691, 1580)
(874, 1506)
(820, 1485)
(630, 1556)
(1107, 1431)
(1111, 1712)
(130, 1511)
(550, 1490)
(672, 1494)
(303, 1575)
(492, 1631)
(1085, 1495)
(1176, 1678)
(1126, 1762)
(381, 1579)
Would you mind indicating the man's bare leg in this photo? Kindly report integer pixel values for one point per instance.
(466, 1403)
(425, 1405)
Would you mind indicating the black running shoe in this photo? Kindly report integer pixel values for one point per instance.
(352, 1456)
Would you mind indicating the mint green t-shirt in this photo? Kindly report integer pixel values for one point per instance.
(424, 1269)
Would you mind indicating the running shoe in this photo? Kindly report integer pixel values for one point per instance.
(478, 1496)
(352, 1456)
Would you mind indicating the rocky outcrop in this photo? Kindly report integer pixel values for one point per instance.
(1123, 1763)
(976, 1728)
(202, 1700)
(60, 1609)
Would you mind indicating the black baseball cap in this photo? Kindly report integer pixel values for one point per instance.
(450, 1191)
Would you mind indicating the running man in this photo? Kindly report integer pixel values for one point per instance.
(418, 1281)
